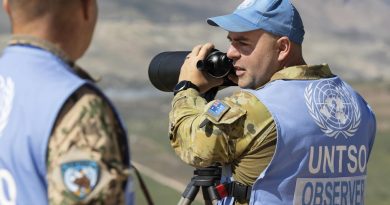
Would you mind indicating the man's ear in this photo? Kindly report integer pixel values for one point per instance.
(284, 47)
(86, 8)
(6, 7)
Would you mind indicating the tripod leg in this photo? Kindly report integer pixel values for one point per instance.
(206, 196)
(214, 196)
(184, 201)
(189, 194)
(210, 195)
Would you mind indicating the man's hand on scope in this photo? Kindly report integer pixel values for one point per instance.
(190, 72)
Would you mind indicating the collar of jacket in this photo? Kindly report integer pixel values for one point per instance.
(50, 47)
(303, 72)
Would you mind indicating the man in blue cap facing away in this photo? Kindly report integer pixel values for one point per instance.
(294, 134)
(61, 140)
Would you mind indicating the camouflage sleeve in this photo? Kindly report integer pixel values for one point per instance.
(84, 161)
(221, 131)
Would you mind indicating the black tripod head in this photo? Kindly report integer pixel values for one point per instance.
(207, 178)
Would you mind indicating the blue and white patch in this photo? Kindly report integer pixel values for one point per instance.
(333, 108)
(80, 177)
(217, 110)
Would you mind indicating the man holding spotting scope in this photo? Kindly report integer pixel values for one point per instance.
(294, 134)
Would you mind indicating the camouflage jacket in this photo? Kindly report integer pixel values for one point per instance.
(242, 133)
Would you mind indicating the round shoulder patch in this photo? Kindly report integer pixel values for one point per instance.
(6, 98)
(80, 177)
(333, 108)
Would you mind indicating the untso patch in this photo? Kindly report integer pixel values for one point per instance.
(333, 108)
(7, 92)
(80, 177)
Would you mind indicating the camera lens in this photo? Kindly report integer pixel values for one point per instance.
(216, 64)
(164, 69)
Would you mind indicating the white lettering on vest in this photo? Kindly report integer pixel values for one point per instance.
(341, 149)
(324, 159)
(352, 166)
(362, 158)
(328, 160)
(7, 188)
(330, 191)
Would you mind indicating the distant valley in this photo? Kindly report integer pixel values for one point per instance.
(350, 35)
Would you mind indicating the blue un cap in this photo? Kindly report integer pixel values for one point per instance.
(278, 17)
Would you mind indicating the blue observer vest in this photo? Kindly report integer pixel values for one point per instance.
(325, 132)
(34, 86)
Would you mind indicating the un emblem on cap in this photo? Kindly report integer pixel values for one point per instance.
(245, 4)
(333, 108)
(80, 177)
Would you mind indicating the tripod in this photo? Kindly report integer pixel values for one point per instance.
(207, 178)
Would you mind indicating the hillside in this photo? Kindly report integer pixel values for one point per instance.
(356, 46)
(350, 35)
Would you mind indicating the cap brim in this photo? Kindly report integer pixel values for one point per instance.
(232, 22)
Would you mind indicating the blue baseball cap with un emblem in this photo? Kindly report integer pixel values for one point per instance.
(278, 17)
